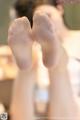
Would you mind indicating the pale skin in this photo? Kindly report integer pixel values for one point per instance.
(19, 106)
(62, 102)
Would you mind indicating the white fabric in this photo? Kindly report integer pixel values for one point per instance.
(74, 74)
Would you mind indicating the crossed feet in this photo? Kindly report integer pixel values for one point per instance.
(21, 38)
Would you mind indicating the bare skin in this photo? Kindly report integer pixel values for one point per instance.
(21, 43)
(19, 39)
(47, 45)
(62, 101)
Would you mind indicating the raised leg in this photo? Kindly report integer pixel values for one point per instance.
(20, 41)
(62, 101)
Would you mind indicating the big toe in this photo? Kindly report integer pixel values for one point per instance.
(26, 23)
(41, 19)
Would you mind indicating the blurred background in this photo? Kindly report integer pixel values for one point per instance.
(72, 17)
(8, 68)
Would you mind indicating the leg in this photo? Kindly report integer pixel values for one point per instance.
(19, 39)
(62, 101)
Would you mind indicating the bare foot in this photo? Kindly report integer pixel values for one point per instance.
(19, 39)
(44, 33)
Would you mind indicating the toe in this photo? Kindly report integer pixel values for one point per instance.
(26, 23)
(42, 20)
